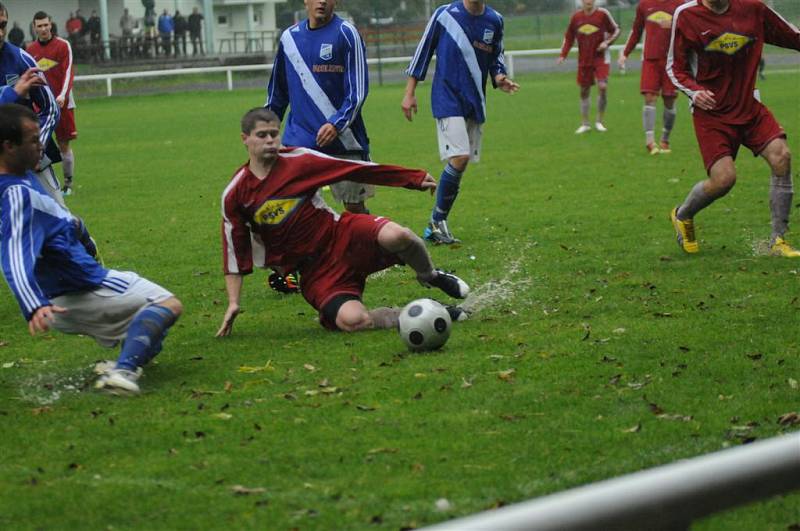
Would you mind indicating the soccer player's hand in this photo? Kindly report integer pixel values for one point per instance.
(30, 78)
(428, 183)
(621, 61)
(60, 101)
(602, 46)
(409, 106)
(326, 134)
(560, 59)
(43, 318)
(505, 84)
(227, 322)
(704, 99)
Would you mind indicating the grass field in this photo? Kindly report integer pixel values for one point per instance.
(596, 348)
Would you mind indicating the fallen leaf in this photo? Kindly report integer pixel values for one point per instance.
(789, 419)
(361, 407)
(383, 451)
(635, 429)
(793, 383)
(329, 390)
(240, 490)
(466, 384)
(266, 367)
(222, 416)
(309, 367)
(41, 410)
(682, 418)
(507, 375)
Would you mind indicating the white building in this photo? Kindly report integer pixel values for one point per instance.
(230, 25)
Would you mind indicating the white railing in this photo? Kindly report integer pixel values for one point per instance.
(229, 70)
(667, 497)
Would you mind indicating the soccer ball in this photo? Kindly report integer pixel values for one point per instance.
(424, 325)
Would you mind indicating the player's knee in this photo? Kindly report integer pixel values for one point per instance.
(459, 162)
(782, 160)
(351, 319)
(174, 305)
(723, 182)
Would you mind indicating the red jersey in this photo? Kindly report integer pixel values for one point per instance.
(282, 220)
(654, 17)
(590, 30)
(720, 53)
(54, 57)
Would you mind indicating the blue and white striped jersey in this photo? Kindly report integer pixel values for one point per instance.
(8, 95)
(39, 250)
(322, 75)
(468, 48)
(13, 63)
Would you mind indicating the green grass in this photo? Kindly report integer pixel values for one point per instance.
(580, 290)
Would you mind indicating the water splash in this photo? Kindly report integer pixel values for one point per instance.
(47, 388)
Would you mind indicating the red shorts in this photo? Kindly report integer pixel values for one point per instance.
(655, 79)
(597, 71)
(718, 139)
(65, 130)
(343, 268)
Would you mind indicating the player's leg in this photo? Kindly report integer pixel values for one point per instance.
(585, 91)
(649, 122)
(669, 122)
(601, 72)
(68, 165)
(455, 147)
(350, 315)
(403, 243)
(781, 192)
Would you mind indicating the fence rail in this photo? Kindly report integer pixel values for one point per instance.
(666, 497)
(229, 70)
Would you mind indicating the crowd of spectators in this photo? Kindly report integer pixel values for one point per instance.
(148, 36)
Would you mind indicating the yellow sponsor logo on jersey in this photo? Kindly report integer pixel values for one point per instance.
(46, 64)
(728, 43)
(660, 17)
(588, 29)
(274, 211)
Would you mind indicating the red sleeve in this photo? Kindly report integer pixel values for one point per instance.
(237, 256)
(678, 63)
(69, 71)
(569, 37)
(320, 170)
(779, 31)
(636, 32)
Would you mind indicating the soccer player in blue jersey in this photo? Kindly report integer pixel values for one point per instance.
(14, 62)
(19, 91)
(320, 71)
(55, 281)
(467, 37)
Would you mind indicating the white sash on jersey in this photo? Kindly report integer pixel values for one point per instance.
(456, 32)
(314, 91)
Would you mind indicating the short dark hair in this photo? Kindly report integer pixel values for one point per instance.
(40, 15)
(258, 114)
(12, 117)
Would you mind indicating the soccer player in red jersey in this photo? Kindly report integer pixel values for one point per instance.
(274, 216)
(713, 58)
(654, 17)
(595, 30)
(54, 57)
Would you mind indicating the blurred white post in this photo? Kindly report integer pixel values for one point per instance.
(510, 65)
(230, 79)
(108, 86)
(666, 497)
(104, 29)
(208, 19)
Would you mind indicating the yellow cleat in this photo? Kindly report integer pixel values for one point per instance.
(684, 230)
(664, 147)
(782, 248)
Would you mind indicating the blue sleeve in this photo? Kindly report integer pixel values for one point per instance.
(21, 241)
(277, 88)
(498, 64)
(418, 67)
(356, 80)
(42, 96)
(8, 95)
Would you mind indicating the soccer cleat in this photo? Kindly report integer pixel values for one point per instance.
(600, 127)
(449, 283)
(652, 148)
(284, 283)
(684, 230)
(438, 233)
(457, 313)
(120, 382)
(664, 147)
(584, 128)
(781, 247)
(103, 367)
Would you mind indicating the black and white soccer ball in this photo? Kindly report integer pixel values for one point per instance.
(424, 325)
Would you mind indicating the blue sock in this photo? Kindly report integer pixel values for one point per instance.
(446, 192)
(144, 338)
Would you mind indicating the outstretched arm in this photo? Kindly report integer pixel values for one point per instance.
(233, 285)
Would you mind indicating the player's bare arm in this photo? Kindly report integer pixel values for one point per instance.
(326, 134)
(43, 318)
(506, 84)
(409, 103)
(233, 285)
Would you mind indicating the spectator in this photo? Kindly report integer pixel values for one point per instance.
(74, 28)
(166, 26)
(16, 36)
(180, 32)
(195, 30)
(93, 28)
(126, 24)
(149, 26)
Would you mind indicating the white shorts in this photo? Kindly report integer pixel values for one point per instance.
(458, 137)
(105, 313)
(350, 191)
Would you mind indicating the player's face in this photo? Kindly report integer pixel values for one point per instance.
(263, 141)
(3, 26)
(43, 29)
(25, 156)
(588, 5)
(320, 12)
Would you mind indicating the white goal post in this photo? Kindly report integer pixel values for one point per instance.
(666, 497)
